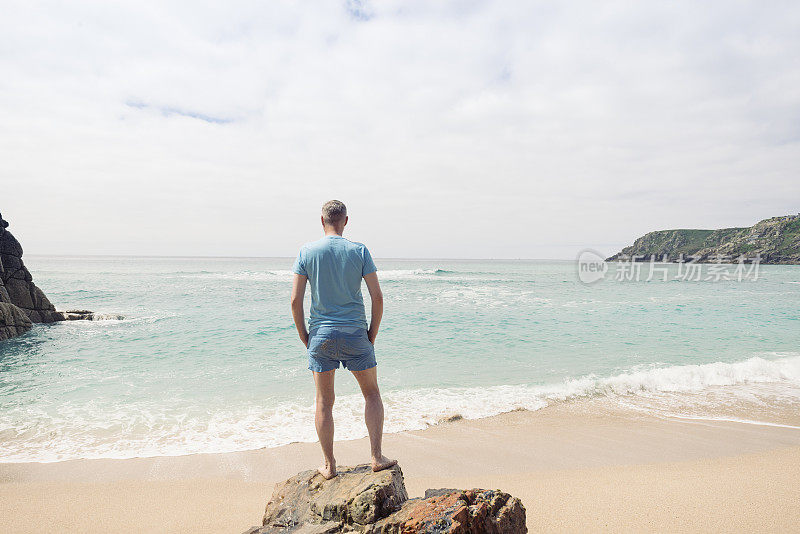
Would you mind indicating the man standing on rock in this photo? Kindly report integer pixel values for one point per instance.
(338, 330)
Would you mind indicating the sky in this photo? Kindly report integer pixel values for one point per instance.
(468, 129)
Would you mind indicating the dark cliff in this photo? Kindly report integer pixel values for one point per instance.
(17, 283)
(22, 303)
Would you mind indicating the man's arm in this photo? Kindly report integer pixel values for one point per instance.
(377, 304)
(298, 292)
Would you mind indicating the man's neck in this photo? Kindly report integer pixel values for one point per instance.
(333, 232)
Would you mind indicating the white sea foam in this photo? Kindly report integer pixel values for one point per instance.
(489, 296)
(102, 319)
(255, 276)
(418, 274)
(689, 378)
(388, 274)
(145, 428)
(108, 317)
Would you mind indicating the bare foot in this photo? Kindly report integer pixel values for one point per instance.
(379, 464)
(327, 471)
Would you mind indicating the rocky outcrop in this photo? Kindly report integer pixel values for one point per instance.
(81, 315)
(772, 241)
(359, 500)
(21, 301)
(18, 286)
(13, 321)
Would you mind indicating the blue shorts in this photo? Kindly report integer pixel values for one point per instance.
(328, 347)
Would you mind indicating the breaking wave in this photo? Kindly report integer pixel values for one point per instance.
(286, 274)
(147, 428)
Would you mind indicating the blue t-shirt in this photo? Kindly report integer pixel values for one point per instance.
(334, 267)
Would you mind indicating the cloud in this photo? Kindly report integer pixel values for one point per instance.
(459, 129)
(167, 111)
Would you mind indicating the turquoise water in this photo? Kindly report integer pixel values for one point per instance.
(207, 359)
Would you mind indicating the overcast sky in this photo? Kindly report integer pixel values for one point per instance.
(450, 129)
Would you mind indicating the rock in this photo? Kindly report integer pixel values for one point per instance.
(20, 293)
(13, 321)
(17, 288)
(78, 315)
(86, 315)
(9, 246)
(474, 511)
(356, 496)
(359, 500)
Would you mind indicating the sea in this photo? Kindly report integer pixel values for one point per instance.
(200, 355)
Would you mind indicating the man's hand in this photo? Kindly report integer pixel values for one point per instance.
(304, 338)
(372, 334)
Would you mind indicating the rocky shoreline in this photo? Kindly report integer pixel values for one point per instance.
(22, 303)
(773, 241)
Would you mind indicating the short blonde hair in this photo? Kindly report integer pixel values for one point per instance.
(334, 212)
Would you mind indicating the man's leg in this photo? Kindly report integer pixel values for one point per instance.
(373, 415)
(323, 419)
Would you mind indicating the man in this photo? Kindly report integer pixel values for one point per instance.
(338, 328)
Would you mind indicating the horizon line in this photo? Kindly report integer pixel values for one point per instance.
(280, 257)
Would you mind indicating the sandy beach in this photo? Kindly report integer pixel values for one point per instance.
(576, 467)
